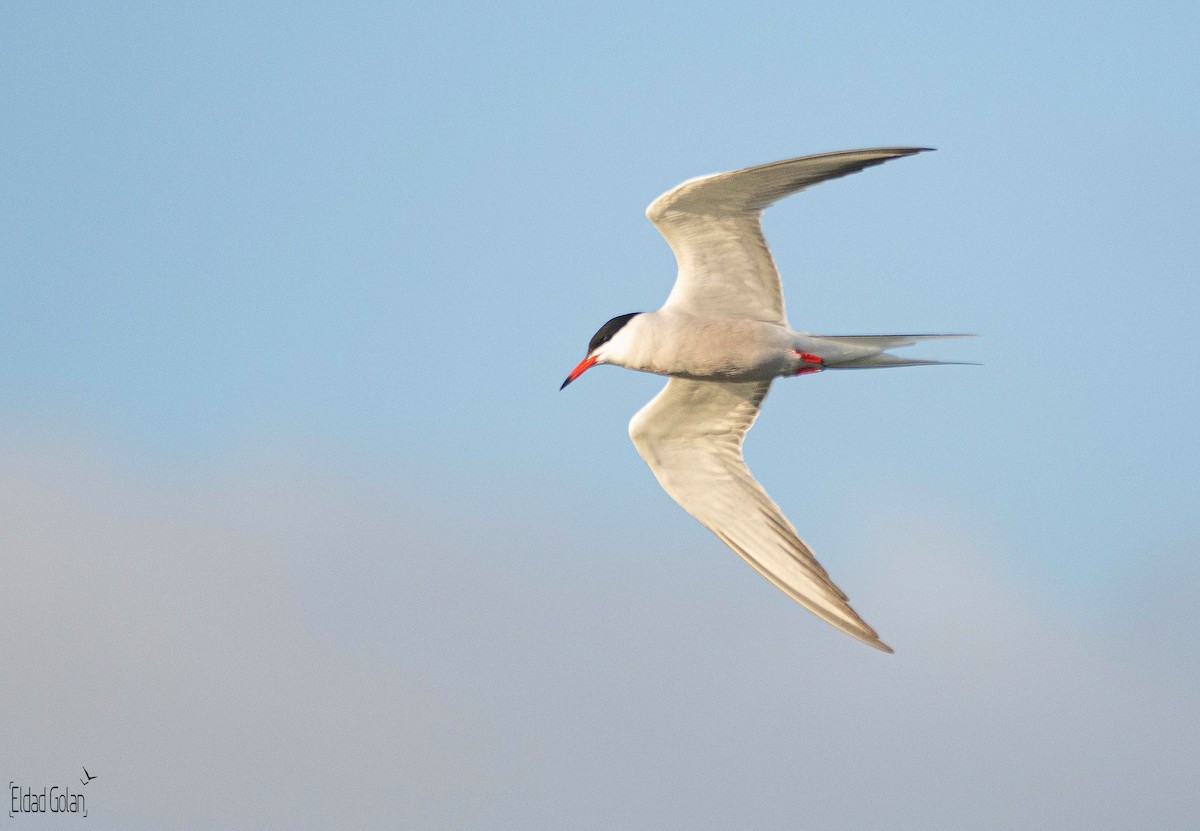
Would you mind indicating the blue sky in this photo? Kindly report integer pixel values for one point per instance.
(287, 295)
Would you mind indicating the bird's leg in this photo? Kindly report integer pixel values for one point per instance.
(809, 363)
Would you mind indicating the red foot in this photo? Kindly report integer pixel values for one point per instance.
(810, 363)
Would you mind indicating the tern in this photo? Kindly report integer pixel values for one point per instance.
(722, 337)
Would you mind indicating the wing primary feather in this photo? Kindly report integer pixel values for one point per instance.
(853, 625)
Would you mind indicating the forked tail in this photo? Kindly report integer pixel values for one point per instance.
(882, 357)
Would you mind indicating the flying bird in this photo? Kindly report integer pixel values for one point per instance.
(722, 337)
(88, 775)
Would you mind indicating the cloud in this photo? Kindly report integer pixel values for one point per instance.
(155, 634)
(272, 647)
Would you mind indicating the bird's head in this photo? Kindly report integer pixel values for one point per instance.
(604, 347)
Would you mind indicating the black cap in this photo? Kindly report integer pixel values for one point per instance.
(605, 333)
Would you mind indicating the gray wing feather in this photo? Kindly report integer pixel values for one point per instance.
(712, 224)
(691, 436)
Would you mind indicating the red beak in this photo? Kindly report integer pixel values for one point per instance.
(584, 365)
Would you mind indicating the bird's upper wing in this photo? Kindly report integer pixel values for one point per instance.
(712, 225)
(691, 436)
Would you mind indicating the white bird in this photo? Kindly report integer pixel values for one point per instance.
(723, 337)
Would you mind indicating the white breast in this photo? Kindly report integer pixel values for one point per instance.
(686, 346)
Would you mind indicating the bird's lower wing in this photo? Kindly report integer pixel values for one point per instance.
(691, 436)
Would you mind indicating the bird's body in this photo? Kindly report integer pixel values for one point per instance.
(682, 345)
(723, 337)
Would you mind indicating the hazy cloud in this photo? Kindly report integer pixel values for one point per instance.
(274, 649)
